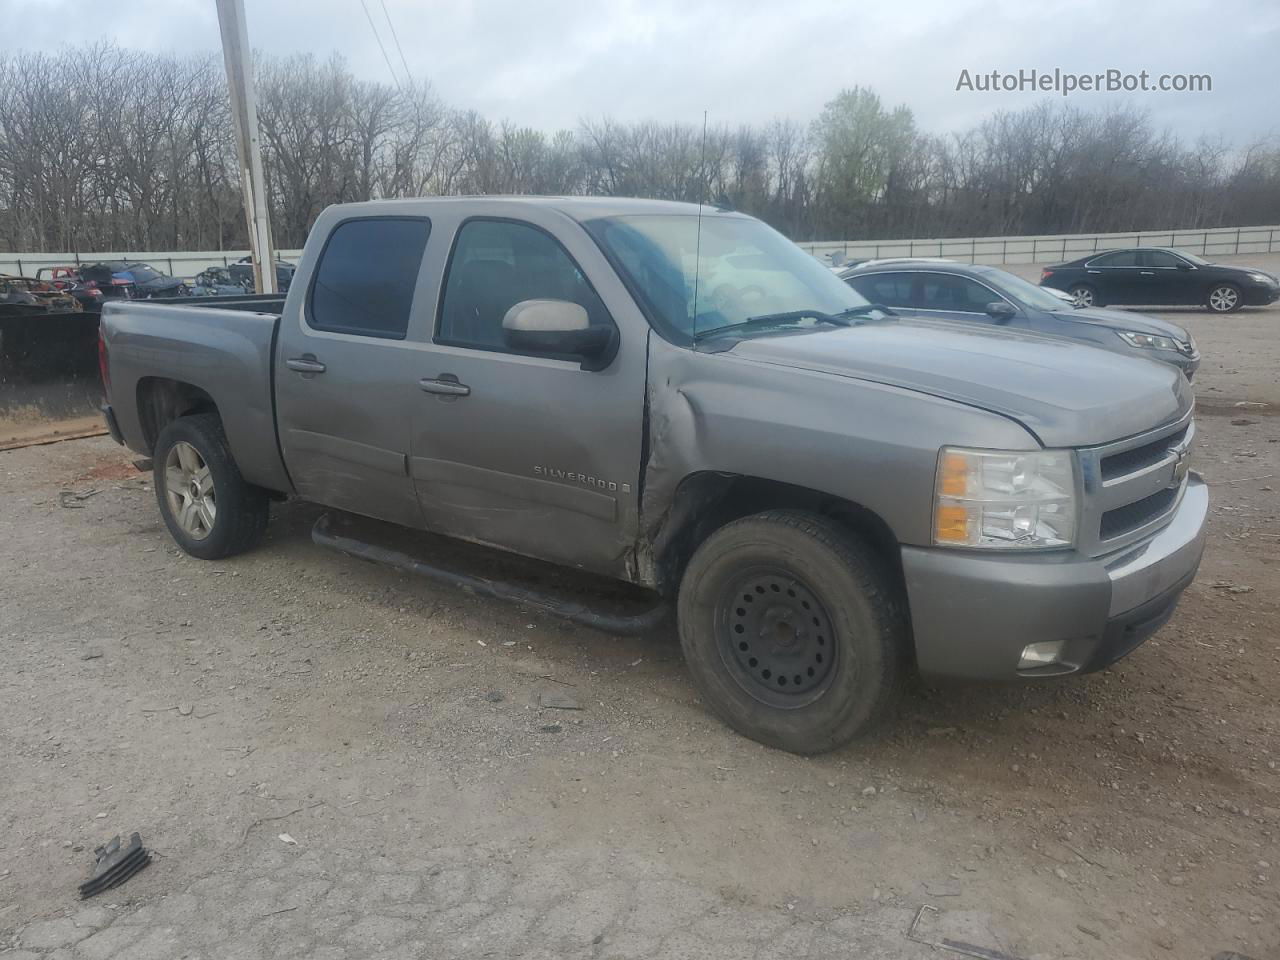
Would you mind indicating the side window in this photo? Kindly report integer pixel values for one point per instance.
(1158, 258)
(891, 289)
(497, 264)
(366, 275)
(1121, 258)
(946, 292)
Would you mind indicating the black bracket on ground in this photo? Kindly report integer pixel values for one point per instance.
(115, 864)
(617, 623)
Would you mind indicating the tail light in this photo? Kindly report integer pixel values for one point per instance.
(1045, 274)
(104, 368)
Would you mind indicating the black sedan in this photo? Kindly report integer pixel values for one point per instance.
(987, 295)
(1153, 275)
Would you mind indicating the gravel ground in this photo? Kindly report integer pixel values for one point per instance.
(332, 760)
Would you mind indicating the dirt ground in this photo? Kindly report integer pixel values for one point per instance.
(333, 760)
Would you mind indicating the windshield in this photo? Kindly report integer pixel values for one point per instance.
(1192, 258)
(143, 274)
(737, 270)
(1024, 290)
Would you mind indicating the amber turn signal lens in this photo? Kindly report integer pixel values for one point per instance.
(953, 475)
(951, 524)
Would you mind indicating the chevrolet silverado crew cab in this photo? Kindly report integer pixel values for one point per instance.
(678, 397)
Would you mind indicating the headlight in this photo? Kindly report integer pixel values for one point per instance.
(1148, 340)
(998, 499)
(1260, 278)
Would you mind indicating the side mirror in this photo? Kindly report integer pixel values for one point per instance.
(559, 327)
(1184, 266)
(1001, 311)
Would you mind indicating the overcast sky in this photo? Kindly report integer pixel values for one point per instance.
(550, 63)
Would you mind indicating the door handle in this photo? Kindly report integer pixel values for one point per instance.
(446, 385)
(1146, 273)
(305, 365)
(1093, 271)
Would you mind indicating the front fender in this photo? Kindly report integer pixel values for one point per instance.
(872, 444)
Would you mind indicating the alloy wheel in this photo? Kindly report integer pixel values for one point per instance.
(1223, 299)
(1082, 296)
(189, 490)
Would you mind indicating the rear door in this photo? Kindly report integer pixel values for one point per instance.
(530, 453)
(1116, 277)
(893, 289)
(346, 374)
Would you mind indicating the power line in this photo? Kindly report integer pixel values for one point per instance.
(391, 69)
(396, 37)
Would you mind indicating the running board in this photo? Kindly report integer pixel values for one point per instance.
(629, 624)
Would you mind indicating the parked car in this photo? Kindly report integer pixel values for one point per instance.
(242, 273)
(999, 299)
(90, 284)
(1149, 276)
(23, 295)
(147, 281)
(216, 282)
(831, 494)
(67, 280)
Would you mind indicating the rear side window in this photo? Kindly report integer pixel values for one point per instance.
(891, 289)
(366, 275)
(1121, 258)
(1158, 258)
(497, 264)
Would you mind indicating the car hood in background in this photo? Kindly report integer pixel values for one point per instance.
(1067, 394)
(1121, 320)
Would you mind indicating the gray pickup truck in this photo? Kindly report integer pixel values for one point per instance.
(678, 397)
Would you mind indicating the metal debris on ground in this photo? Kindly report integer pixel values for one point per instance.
(955, 946)
(558, 701)
(75, 501)
(115, 865)
(1230, 587)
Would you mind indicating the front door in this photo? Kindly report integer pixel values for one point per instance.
(346, 379)
(529, 453)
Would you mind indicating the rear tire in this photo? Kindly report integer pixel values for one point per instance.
(792, 631)
(1224, 298)
(1084, 295)
(209, 508)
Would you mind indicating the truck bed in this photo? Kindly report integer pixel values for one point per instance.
(187, 353)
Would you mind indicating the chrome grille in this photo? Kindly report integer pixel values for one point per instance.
(1132, 486)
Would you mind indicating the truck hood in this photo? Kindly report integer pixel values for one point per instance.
(1067, 394)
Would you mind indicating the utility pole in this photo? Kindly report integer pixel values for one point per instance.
(244, 112)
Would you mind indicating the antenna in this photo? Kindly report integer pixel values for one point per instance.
(697, 246)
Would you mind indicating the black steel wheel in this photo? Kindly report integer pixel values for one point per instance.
(792, 630)
(775, 637)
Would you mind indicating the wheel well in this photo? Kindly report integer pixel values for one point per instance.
(161, 401)
(705, 502)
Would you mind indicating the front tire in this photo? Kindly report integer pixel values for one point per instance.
(209, 508)
(792, 631)
(1224, 298)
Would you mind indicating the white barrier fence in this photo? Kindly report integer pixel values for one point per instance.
(1221, 241)
(176, 263)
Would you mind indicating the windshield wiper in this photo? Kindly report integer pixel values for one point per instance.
(866, 309)
(842, 319)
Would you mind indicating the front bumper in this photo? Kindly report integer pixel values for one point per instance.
(972, 613)
(1260, 295)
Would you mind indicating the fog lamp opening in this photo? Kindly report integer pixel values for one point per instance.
(1047, 653)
